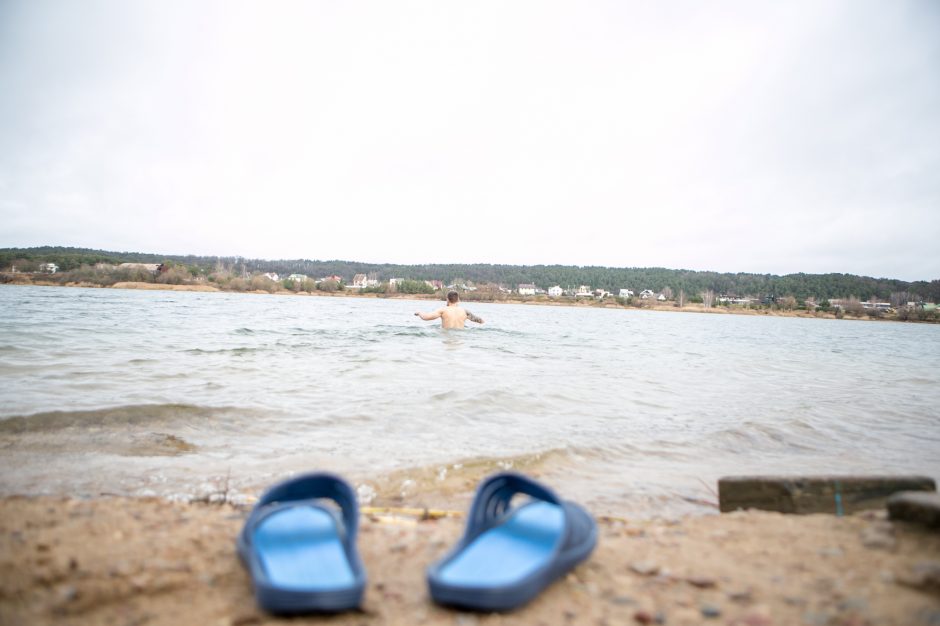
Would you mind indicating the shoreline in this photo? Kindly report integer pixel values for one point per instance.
(147, 560)
(715, 310)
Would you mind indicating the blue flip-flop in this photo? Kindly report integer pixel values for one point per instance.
(508, 555)
(301, 551)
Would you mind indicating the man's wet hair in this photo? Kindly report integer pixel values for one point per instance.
(452, 297)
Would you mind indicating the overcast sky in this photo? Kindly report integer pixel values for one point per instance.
(748, 136)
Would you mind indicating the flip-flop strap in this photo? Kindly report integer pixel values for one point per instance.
(494, 495)
(311, 487)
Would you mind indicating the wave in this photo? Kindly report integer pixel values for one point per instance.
(235, 351)
(129, 415)
(793, 434)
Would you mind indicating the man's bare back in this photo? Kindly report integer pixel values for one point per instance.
(453, 315)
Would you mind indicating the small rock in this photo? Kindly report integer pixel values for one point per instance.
(831, 552)
(623, 600)
(710, 611)
(702, 582)
(570, 615)
(643, 617)
(816, 619)
(924, 576)
(877, 539)
(742, 596)
(856, 604)
(66, 594)
(42, 547)
(915, 506)
(644, 568)
(756, 619)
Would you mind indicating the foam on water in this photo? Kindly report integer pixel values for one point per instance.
(139, 392)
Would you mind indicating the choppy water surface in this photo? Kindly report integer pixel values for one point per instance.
(631, 412)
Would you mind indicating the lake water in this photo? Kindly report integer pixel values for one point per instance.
(632, 412)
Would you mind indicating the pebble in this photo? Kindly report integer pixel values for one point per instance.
(833, 552)
(702, 582)
(854, 604)
(66, 594)
(924, 576)
(816, 619)
(644, 568)
(742, 596)
(643, 617)
(710, 611)
(623, 600)
(877, 539)
(756, 619)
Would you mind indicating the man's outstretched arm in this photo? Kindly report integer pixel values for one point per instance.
(427, 317)
(474, 318)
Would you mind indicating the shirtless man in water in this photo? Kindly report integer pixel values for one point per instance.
(453, 315)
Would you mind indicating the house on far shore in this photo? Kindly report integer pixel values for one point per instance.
(332, 278)
(601, 293)
(661, 297)
(272, 276)
(526, 289)
(359, 281)
(555, 291)
(298, 277)
(48, 268)
(646, 294)
(436, 284)
(626, 293)
(584, 291)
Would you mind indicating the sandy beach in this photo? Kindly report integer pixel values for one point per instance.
(149, 561)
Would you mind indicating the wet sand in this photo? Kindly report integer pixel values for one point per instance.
(150, 561)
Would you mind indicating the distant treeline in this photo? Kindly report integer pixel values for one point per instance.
(801, 286)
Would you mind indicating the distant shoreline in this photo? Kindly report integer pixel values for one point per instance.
(608, 304)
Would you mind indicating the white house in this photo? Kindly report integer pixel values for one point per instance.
(272, 276)
(646, 294)
(626, 293)
(584, 291)
(360, 281)
(555, 291)
(526, 289)
(48, 268)
(661, 298)
(298, 277)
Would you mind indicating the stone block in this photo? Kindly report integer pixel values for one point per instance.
(915, 506)
(838, 495)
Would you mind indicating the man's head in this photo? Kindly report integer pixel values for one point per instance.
(452, 297)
